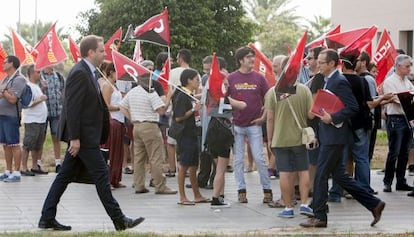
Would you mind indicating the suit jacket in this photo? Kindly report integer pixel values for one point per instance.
(84, 114)
(328, 134)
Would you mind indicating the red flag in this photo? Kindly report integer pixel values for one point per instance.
(215, 81)
(137, 57)
(292, 69)
(111, 45)
(165, 74)
(156, 29)
(3, 55)
(263, 65)
(23, 50)
(368, 49)
(320, 41)
(74, 50)
(384, 56)
(50, 50)
(125, 65)
(355, 48)
(342, 39)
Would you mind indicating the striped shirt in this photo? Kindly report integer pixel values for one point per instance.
(142, 105)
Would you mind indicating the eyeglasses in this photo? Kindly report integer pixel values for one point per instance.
(405, 66)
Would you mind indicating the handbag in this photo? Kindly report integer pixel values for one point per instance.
(176, 130)
(307, 133)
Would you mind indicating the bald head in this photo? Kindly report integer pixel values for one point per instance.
(277, 64)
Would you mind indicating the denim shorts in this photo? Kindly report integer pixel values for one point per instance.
(53, 123)
(9, 130)
(291, 159)
(34, 136)
(189, 151)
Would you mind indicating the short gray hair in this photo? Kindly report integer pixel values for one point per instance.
(401, 58)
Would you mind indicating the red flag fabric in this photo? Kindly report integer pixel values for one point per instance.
(368, 49)
(23, 50)
(355, 48)
(3, 55)
(384, 56)
(74, 50)
(292, 69)
(215, 81)
(50, 50)
(156, 29)
(125, 65)
(111, 45)
(165, 74)
(320, 41)
(339, 40)
(263, 65)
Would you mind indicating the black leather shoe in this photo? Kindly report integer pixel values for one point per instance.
(53, 224)
(377, 211)
(126, 223)
(403, 187)
(387, 188)
(314, 222)
(411, 194)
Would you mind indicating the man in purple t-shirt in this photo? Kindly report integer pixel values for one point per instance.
(249, 86)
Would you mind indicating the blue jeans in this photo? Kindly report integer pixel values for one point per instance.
(359, 152)
(254, 134)
(399, 141)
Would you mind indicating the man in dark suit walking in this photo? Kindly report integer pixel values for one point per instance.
(334, 134)
(84, 126)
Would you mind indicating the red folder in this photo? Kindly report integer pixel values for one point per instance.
(328, 101)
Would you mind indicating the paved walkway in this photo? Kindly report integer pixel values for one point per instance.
(20, 205)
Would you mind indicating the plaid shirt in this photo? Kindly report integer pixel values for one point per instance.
(54, 93)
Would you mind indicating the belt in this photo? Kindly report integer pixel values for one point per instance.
(395, 115)
(146, 122)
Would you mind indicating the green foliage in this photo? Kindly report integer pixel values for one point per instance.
(203, 27)
(278, 25)
(319, 26)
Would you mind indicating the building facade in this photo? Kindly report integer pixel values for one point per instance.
(395, 16)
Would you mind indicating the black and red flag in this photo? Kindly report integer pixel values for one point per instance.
(124, 65)
(156, 29)
(165, 75)
(292, 69)
(113, 43)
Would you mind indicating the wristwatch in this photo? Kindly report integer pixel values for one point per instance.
(192, 109)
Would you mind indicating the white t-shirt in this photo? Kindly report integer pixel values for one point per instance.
(37, 113)
(395, 84)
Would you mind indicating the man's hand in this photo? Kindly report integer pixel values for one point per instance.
(74, 147)
(326, 117)
(258, 121)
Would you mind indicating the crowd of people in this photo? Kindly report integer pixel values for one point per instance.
(105, 119)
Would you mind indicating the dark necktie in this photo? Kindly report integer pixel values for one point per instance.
(96, 73)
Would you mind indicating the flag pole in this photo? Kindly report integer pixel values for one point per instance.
(160, 77)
